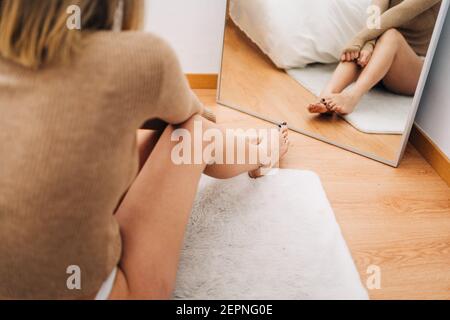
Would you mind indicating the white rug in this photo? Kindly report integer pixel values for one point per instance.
(379, 112)
(272, 238)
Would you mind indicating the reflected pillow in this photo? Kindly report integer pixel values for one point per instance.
(295, 33)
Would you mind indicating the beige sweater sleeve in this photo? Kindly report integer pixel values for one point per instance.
(158, 85)
(369, 46)
(391, 18)
(175, 102)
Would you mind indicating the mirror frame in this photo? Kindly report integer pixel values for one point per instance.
(416, 101)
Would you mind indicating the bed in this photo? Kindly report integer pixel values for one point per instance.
(292, 32)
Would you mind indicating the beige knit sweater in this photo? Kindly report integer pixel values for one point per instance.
(68, 153)
(414, 19)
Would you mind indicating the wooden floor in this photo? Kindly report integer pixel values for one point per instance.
(251, 81)
(398, 219)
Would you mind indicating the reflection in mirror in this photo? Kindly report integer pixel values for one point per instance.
(349, 73)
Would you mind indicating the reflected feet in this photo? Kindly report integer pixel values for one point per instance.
(318, 107)
(343, 103)
(321, 106)
(283, 146)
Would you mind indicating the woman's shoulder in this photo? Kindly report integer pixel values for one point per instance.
(128, 42)
(140, 54)
(136, 64)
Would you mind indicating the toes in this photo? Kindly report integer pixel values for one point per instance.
(329, 103)
(335, 108)
(321, 107)
(315, 108)
(284, 132)
(283, 128)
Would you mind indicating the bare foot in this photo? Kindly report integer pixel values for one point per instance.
(321, 106)
(318, 107)
(343, 103)
(283, 146)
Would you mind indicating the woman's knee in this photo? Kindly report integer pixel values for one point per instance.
(392, 37)
(196, 122)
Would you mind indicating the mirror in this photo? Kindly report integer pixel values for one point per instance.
(283, 61)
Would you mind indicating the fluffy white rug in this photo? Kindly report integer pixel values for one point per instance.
(272, 238)
(379, 112)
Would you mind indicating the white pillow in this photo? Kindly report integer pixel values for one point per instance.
(294, 33)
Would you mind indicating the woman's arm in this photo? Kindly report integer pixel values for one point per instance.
(369, 46)
(391, 18)
(383, 5)
(163, 92)
(351, 51)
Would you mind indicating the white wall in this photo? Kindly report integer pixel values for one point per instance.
(193, 27)
(434, 110)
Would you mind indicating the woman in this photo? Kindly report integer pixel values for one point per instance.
(393, 54)
(71, 104)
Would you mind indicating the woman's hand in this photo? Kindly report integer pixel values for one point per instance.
(352, 51)
(364, 58)
(366, 54)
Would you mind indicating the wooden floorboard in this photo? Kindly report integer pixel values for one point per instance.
(398, 219)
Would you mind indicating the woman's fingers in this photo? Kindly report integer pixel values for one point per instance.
(350, 56)
(361, 62)
(364, 58)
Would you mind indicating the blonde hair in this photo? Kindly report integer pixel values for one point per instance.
(34, 33)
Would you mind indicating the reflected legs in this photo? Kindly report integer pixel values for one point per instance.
(345, 74)
(393, 62)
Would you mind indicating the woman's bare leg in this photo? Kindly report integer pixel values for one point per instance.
(146, 142)
(393, 61)
(153, 217)
(345, 74)
(255, 146)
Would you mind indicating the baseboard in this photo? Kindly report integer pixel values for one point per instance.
(431, 152)
(203, 81)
